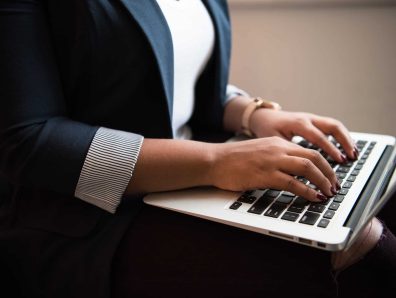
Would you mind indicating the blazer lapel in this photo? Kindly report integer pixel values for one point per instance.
(222, 51)
(148, 15)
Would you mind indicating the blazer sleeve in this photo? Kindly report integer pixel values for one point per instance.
(40, 146)
(233, 91)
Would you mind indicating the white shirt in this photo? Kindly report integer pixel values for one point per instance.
(193, 39)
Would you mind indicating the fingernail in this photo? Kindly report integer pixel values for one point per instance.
(356, 154)
(344, 158)
(338, 185)
(333, 190)
(321, 197)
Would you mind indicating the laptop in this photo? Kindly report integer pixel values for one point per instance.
(367, 184)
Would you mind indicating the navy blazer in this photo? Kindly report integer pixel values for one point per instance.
(66, 68)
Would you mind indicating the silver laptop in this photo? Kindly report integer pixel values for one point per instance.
(367, 184)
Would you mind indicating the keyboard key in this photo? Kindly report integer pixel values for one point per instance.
(342, 169)
(351, 178)
(334, 206)
(324, 203)
(304, 143)
(284, 199)
(235, 205)
(313, 186)
(347, 184)
(302, 179)
(309, 218)
(358, 167)
(248, 192)
(296, 209)
(299, 201)
(329, 214)
(317, 208)
(348, 164)
(334, 141)
(338, 198)
(329, 159)
(343, 191)
(298, 205)
(289, 194)
(323, 223)
(262, 203)
(273, 193)
(275, 210)
(361, 162)
(364, 156)
(361, 143)
(290, 216)
(247, 199)
(341, 175)
(360, 147)
(355, 172)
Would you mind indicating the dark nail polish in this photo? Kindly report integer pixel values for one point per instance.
(338, 185)
(333, 190)
(344, 158)
(356, 154)
(321, 197)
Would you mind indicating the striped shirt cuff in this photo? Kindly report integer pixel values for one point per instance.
(233, 91)
(108, 167)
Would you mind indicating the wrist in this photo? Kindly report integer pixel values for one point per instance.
(252, 108)
(214, 152)
(209, 160)
(259, 119)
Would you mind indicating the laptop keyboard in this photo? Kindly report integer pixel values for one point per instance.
(287, 206)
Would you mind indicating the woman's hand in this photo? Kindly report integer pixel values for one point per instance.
(271, 163)
(266, 122)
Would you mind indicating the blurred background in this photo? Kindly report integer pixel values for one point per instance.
(330, 57)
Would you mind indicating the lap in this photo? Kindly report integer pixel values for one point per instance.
(167, 253)
(164, 251)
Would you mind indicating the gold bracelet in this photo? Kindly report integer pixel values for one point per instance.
(257, 103)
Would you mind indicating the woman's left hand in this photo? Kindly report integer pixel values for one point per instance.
(314, 128)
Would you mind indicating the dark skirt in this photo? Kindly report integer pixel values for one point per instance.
(167, 254)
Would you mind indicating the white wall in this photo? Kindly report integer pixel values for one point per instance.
(327, 58)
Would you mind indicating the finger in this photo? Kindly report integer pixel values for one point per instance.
(289, 183)
(319, 161)
(339, 132)
(305, 167)
(312, 134)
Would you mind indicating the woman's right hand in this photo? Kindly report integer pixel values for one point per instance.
(272, 163)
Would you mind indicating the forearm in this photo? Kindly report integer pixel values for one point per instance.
(175, 164)
(171, 164)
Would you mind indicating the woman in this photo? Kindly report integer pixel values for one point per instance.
(96, 94)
